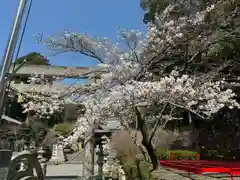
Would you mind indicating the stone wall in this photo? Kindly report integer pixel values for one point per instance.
(165, 139)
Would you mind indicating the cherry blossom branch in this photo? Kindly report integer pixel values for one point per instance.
(66, 47)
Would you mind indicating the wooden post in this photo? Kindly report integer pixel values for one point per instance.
(88, 164)
(197, 156)
(170, 158)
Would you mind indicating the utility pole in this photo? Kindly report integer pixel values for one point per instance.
(9, 52)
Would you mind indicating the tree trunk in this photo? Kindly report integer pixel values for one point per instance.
(145, 140)
(149, 148)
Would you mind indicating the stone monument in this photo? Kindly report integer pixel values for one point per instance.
(57, 152)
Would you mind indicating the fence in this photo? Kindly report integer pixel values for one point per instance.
(15, 146)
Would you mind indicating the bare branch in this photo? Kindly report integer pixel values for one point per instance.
(156, 124)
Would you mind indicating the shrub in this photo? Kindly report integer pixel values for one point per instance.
(63, 129)
(219, 154)
(164, 154)
(135, 168)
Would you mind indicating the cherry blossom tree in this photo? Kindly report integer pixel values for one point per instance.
(45, 97)
(143, 79)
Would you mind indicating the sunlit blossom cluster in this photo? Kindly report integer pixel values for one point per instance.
(179, 91)
(43, 96)
(112, 169)
(82, 126)
(167, 31)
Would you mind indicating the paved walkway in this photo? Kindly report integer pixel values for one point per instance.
(65, 170)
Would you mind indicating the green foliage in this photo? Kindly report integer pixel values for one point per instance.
(154, 7)
(63, 129)
(33, 58)
(55, 118)
(135, 168)
(220, 154)
(215, 139)
(164, 154)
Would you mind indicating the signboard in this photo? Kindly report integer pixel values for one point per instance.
(5, 159)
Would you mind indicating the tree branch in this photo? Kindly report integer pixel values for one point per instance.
(52, 43)
(156, 124)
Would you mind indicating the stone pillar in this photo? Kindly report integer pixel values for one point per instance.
(100, 159)
(88, 164)
(42, 160)
(57, 154)
(54, 152)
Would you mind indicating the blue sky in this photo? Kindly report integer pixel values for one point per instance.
(52, 17)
